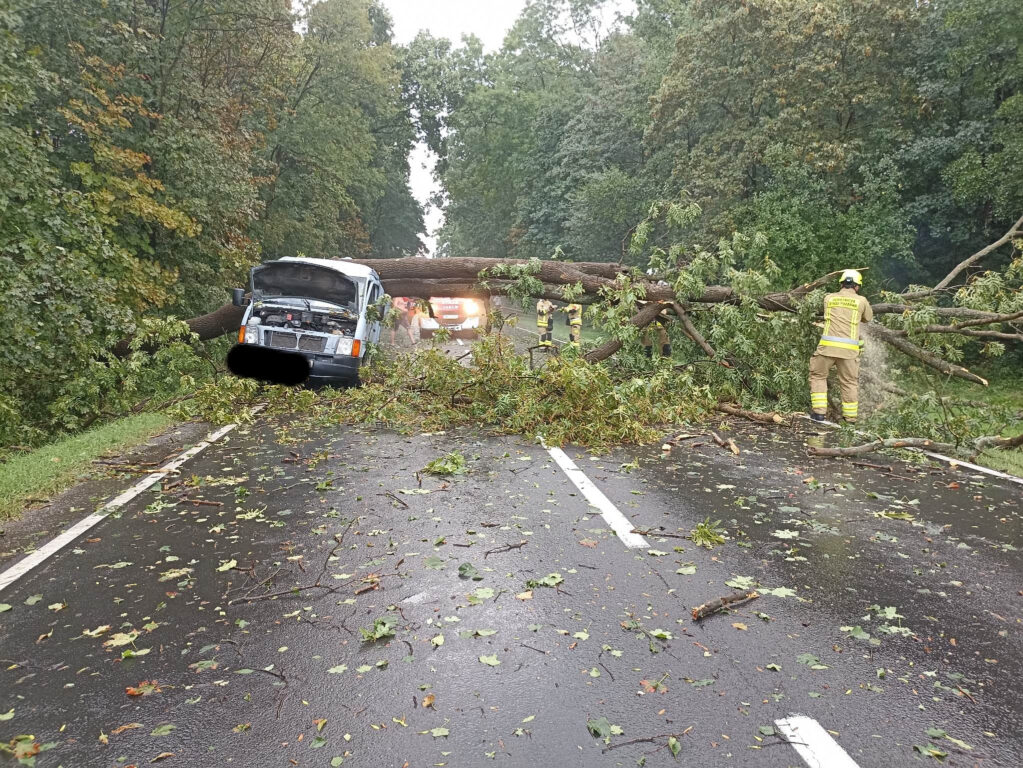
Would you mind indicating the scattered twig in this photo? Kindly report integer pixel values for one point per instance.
(338, 543)
(719, 604)
(505, 548)
(644, 740)
(392, 496)
(533, 649)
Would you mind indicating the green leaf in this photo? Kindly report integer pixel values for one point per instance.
(32, 600)
(773, 667)
(687, 569)
(227, 565)
(317, 742)
(338, 670)
(766, 730)
(468, 571)
(437, 641)
(478, 596)
(490, 661)
(785, 534)
(163, 730)
(8, 715)
(435, 563)
(741, 582)
(4, 607)
(337, 762)
(674, 746)
(779, 592)
(438, 733)
(450, 464)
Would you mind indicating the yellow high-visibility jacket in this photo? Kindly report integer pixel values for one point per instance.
(843, 313)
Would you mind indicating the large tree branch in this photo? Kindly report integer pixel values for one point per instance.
(910, 349)
(691, 330)
(1015, 231)
(640, 320)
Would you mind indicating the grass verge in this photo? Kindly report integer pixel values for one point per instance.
(54, 467)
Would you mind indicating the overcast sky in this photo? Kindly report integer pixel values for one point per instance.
(489, 20)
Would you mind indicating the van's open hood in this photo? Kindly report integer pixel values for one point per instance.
(308, 281)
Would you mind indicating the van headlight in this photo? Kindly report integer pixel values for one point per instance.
(252, 332)
(344, 347)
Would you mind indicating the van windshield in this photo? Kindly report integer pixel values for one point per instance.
(304, 281)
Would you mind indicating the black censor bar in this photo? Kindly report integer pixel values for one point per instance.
(270, 365)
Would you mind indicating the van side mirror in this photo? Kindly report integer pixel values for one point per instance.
(238, 297)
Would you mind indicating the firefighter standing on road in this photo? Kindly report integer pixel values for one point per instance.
(575, 323)
(840, 347)
(545, 322)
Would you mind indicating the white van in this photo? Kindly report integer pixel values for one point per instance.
(315, 308)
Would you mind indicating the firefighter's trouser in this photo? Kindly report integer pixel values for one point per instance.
(649, 333)
(575, 330)
(848, 381)
(545, 327)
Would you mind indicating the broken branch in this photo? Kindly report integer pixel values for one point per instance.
(713, 606)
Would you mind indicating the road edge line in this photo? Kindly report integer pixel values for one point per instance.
(612, 515)
(954, 462)
(814, 744)
(54, 545)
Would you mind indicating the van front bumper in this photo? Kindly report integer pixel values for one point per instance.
(327, 369)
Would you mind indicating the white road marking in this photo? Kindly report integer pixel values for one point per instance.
(813, 743)
(53, 546)
(619, 523)
(460, 342)
(940, 457)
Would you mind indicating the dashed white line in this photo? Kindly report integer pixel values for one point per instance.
(619, 523)
(53, 546)
(813, 743)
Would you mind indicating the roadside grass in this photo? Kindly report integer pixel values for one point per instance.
(998, 409)
(54, 467)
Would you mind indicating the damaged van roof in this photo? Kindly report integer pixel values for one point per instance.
(349, 268)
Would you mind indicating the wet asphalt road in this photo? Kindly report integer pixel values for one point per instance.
(240, 591)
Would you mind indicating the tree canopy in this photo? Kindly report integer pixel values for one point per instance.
(716, 155)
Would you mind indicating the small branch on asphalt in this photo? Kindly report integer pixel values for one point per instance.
(534, 649)
(505, 548)
(392, 496)
(647, 740)
(338, 543)
(760, 418)
(713, 606)
(662, 534)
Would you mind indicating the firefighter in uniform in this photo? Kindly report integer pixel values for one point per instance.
(545, 322)
(840, 347)
(656, 329)
(575, 323)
